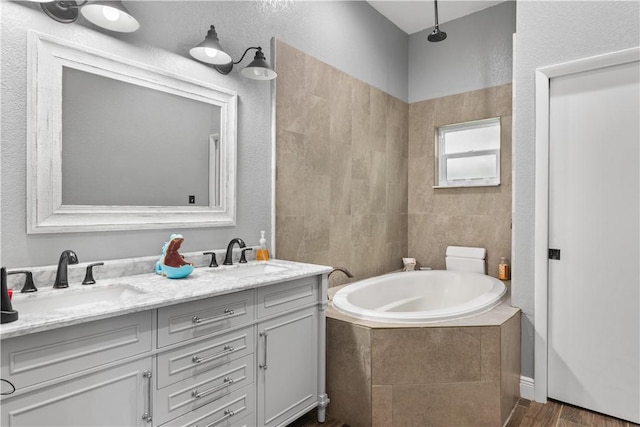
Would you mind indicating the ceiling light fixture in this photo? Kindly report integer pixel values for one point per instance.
(210, 52)
(110, 15)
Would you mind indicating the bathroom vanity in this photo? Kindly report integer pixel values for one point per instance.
(240, 346)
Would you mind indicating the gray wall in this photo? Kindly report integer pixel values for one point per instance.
(351, 36)
(477, 54)
(551, 33)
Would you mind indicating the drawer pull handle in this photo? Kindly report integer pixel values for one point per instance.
(264, 365)
(226, 313)
(226, 382)
(147, 414)
(228, 413)
(227, 349)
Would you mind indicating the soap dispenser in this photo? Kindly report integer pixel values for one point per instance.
(262, 254)
(8, 313)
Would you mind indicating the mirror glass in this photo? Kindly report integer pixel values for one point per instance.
(129, 145)
(116, 144)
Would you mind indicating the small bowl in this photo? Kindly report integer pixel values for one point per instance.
(176, 272)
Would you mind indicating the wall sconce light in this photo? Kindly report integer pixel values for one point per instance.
(210, 52)
(111, 15)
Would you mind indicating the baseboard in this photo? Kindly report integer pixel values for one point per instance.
(526, 388)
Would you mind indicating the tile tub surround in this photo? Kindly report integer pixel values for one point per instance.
(479, 216)
(463, 372)
(341, 181)
(158, 291)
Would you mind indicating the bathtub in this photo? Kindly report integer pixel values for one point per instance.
(420, 296)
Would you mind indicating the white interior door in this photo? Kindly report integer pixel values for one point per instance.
(594, 219)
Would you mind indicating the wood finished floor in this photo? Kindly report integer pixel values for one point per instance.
(525, 414)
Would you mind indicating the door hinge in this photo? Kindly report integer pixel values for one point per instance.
(554, 253)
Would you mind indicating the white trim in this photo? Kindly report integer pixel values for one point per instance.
(273, 152)
(527, 388)
(541, 235)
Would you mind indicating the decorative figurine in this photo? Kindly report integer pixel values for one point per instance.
(171, 263)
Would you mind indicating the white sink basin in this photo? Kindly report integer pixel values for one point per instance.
(73, 299)
(252, 270)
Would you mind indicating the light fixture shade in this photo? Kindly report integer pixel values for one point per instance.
(61, 11)
(111, 15)
(259, 69)
(210, 51)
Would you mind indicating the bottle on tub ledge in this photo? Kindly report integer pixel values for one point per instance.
(262, 254)
(504, 269)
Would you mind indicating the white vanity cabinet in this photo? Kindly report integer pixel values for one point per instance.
(287, 350)
(254, 357)
(71, 377)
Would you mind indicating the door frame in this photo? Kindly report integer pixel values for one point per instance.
(543, 76)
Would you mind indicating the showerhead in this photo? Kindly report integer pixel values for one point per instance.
(437, 35)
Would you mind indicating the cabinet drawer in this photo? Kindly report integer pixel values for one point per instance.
(287, 296)
(43, 356)
(235, 409)
(192, 359)
(204, 388)
(194, 319)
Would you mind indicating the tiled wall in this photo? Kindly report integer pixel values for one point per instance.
(341, 169)
(478, 216)
(344, 184)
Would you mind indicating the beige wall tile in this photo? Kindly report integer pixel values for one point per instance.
(378, 183)
(340, 168)
(341, 107)
(510, 366)
(316, 232)
(382, 406)
(349, 373)
(490, 367)
(447, 405)
(378, 120)
(290, 245)
(317, 194)
(291, 166)
(426, 355)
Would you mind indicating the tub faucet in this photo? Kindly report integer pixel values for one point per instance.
(228, 258)
(344, 270)
(66, 257)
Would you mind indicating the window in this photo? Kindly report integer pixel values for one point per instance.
(468, 154)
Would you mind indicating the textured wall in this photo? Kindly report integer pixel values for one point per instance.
(479, 216)
(341, 183)
(551, 33)
(168, 30)
(476, 54)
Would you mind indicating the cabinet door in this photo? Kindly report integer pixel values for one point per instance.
(288, 366)
(114, 397)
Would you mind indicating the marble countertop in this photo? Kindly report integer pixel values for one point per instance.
(145, 292)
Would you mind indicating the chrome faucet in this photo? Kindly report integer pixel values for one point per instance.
(66, 257)
(228, 258)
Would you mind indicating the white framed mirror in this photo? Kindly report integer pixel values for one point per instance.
(115, 144)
